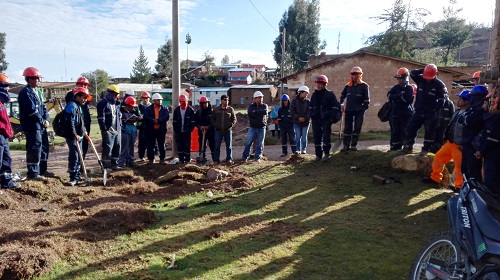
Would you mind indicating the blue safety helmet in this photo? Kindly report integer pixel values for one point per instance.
(479, 90)
(464, 94)
(285, 97)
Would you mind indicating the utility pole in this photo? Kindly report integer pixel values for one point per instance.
(176, 74)
(283, 60)
(338, 44)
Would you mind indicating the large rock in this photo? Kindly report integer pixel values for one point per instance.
(410, 162)
(216, 174)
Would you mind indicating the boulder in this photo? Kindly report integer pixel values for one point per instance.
(216, 174)
(410, 162)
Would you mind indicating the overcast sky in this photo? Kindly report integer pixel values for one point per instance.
(66, 38)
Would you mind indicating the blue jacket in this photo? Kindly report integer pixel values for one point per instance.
(490, 146)
(285, 116)
(85, 110)
(430, 95)
(189, 122)
(32, 111)
(4, 95)
(324, 106)
(73, 111)
(358, 97)
(149, 117)
(401, 98)
(257, 115)
(472, 119)
(108, 113)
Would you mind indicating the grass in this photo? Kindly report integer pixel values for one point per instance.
(305, 221)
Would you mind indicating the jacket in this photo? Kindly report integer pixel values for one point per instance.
(142, 109)
(358, 97)
(189, 122)
(202, 117)
(285, 116)
(430, 94)
(490, 146)
(128, 121)
(223, 119)
(32, 111)
(74, 112)
(401, 98)
(85, 110)
(454, 130)
(445, 113)
(149, 118)
(324, 106)
(257, 115)
(472, 119)
(300, 109)
(108, 114)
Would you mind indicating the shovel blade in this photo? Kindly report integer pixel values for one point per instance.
(104, 176)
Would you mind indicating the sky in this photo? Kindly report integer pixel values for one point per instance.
(64, 38)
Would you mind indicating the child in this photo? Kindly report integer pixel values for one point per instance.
(286, 125)
(129, 132)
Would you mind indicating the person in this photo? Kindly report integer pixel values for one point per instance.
(401, 98)
(301, 117)
(141, 150)
(183, 124)
(325, 110)
(203, 122)
(6, 181)
(87, 121)
(429, 100)
(155, 125)
(129, 132)
(475, 78)
(257, 116)
(451, 149)
(108, 117)
(443, 119)
(34, 119)
(273, 115)
(473, 123)
(223, 120)
(286, 126)
(76, 132)
(355, 99)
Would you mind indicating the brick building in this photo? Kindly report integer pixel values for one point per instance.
(243, 94)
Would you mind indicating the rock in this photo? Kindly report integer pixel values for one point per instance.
(216, 174)
(183, 205)
(410, 162)
(167, 177)
(210, 194)
(179, 182)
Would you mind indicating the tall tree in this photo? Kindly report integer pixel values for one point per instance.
(188, 41)
(99, 81)
(225, 60)
(3, 62)
(208, 59)
(164, 61)
(300, 24)
(141, 73)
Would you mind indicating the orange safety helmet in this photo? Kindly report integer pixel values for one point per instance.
(402, 73)
(476, 75)
(203, 99)
(31, 72)
(145, 94)
(82, 81)
(83, 90)
(182, 98)
(131, 101)
(4, 80)
(356, 69)
(430, 72)
(321, 79)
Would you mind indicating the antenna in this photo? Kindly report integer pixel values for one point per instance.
(338, 44)
(65, 70)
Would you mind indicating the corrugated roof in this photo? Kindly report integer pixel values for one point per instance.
(138, 87)
(241, 70)
(252, 86)
(240, 74)
(201, 89)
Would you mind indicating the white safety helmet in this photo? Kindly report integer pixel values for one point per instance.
(257, 94)
(303, 88)
(130, 92)
(157, 96)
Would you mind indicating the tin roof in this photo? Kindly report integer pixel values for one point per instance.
(138, 87)
(240, 74)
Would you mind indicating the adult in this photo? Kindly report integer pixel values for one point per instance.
(109, 119)
(428, 102)
(286, 126)
(257, 116)
(401, 98)
(203, 123)
(489, 149)
(443, 119)
(82, 82)
(141, 150)
(325, 110)
(355, 99)
(6, 181)
(155, 126)
(301, 117)
(129, 132)
(183, 124)
(223, 120)
(475, 78)
(34, 119)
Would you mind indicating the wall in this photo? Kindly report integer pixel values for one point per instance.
(247, 94)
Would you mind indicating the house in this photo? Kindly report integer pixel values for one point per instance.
(379, 71)
(213, 94)
(243, 94)
(57, 89)
(241, 76)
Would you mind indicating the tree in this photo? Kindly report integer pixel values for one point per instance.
(207, 59)
(300, 24)
(188, 41)
(225, 60)
(3, 62)
(164, 61)
(99, 77)
(141, 73)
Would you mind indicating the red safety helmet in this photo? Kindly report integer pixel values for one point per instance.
(415, 89)
(183, 98)
(321, 79)
(402, 73)
(83, 90)
(131, 101)
(356, 69)
(4, 80)
(145, 94)
(82, 81)
(430, 72)
(203, 99)
(476, 75)
(31, 72)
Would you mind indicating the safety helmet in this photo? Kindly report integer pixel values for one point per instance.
(82, 81)
(285, 97)
(145, 94)
(479, 90)
(430, 72)
(4, 80)
(129, 92)
(31, 72)
(476, 75)
(114, 88)
(257, 94)
(183, 98)
(356, 69)
(464, 94)
(203, 99)
(402, 73)
(415, 89)
(321, 79)
(82, 90)
(131, 101)
(157, 96)
(303, 88)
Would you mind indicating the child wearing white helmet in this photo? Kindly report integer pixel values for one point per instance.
(301, 117)
(286, 126)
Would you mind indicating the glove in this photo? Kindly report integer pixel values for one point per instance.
(46, 123)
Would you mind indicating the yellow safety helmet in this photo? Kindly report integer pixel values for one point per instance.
(114, 88)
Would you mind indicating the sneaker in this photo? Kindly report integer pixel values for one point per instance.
(345, 149)
(142, 159)
(326, 157)
(284, 155)
(13, 186)
(228, 161)
(16, 177)
(73, 183)
(48, 174)
(116, 168)
(353, 148)
(258, 160)
(244, 159)
(37, 178)
(317, 158)
(304, 152)
(428, 180)
(296, 153)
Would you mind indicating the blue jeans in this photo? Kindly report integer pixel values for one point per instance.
(258, 134)
(37, 152)
(5, 163)
(127, 152)
(228, 139)
(110, 148)
(301, 136)
(74, 164)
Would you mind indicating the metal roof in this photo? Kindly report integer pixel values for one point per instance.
(138, 87)
(242, 70)
(201, 89)
(252, 86)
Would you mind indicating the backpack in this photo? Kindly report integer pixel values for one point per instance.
(62, 124)
(385, 112)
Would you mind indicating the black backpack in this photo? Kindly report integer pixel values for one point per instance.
(62, 124)
(385, 112)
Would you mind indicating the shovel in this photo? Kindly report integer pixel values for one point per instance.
(80, 155)
(202, 160)
(336, 145)
(104, 171)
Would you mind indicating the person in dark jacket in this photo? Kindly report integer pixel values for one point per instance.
(301, 117)
(428, 102)
(355, 99)
(34, 119)
(83, 82)
(130, 116)
(444, 117)
(141, 150)
(183, 124)
(325, 110)
(489, 149)
(155, 125)
(108, 117)
(401, 98)
(286, 126)
(202, 120)
(6, 181)
(257, 115)
(223, 120)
